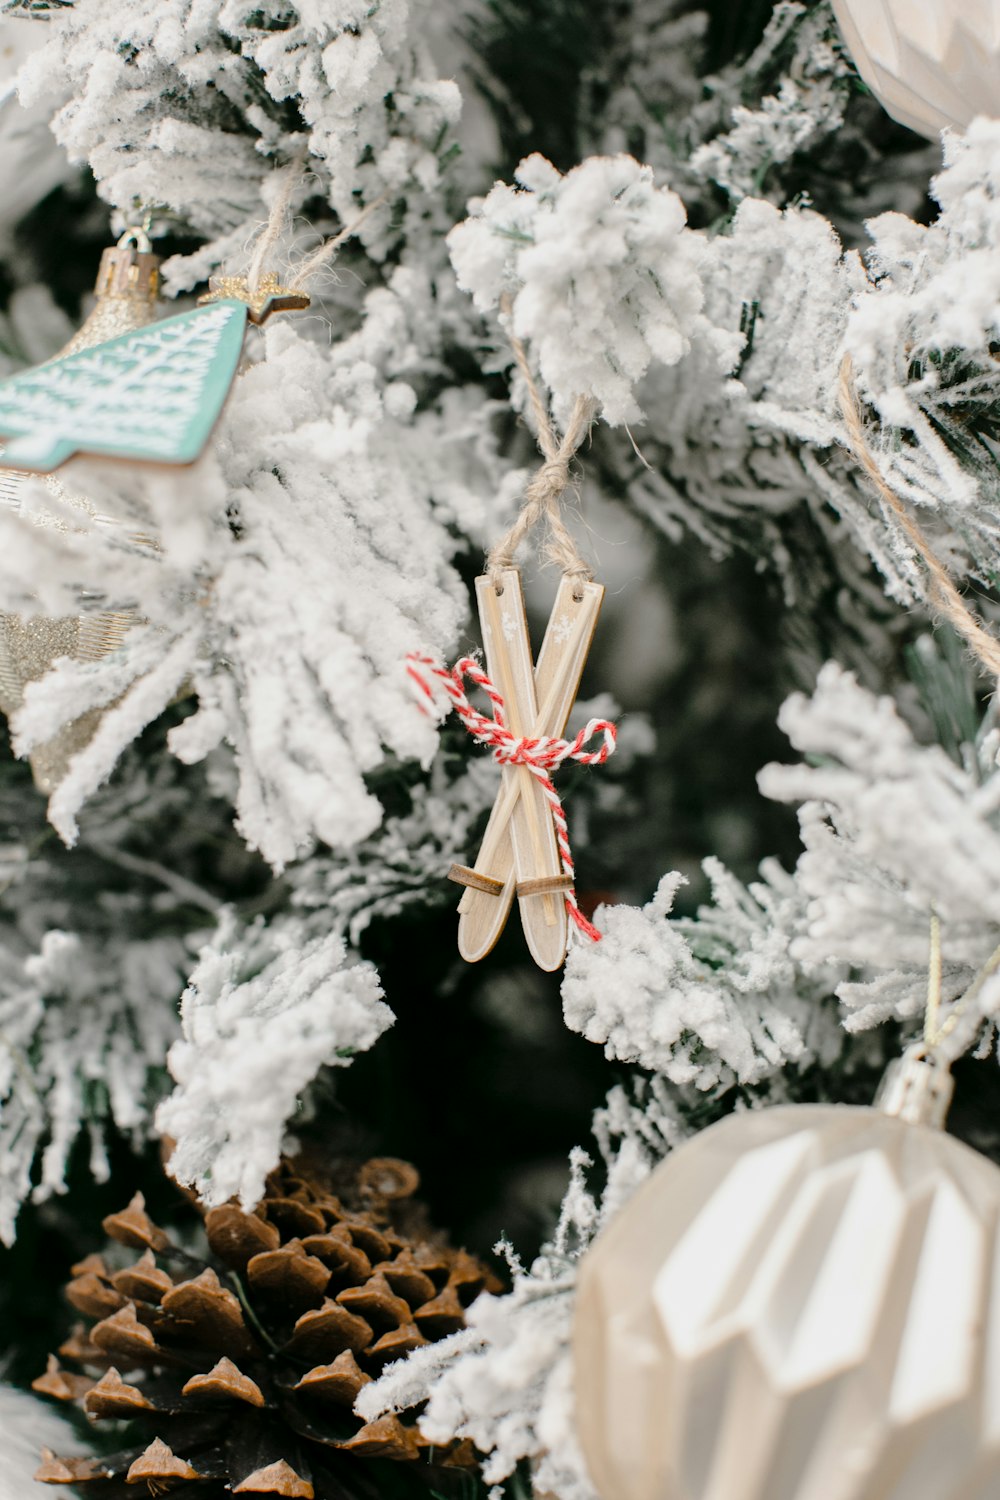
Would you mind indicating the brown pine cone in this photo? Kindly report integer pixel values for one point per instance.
(238, 1372)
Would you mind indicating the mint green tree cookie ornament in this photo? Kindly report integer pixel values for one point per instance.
(151, 395)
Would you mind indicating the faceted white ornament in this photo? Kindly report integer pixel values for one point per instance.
(801, 1303)
(930, 63)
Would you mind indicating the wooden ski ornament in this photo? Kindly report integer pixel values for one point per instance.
(519, 854)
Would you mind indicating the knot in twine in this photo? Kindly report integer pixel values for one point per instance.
(538, 754)
(549, 483)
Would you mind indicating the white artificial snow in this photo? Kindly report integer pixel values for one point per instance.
(310, 550)
(265, 1009)
(358, 465)
(893, 831)
(807, 106)
(708, 1003)
(771, 438)
(402, 863)
(95, 947)
(729, 457)
(650, 50)
(936, 293)
(601, 270)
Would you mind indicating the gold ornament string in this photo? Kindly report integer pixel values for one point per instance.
(933, 1007)
(325, 252)
(937, 1031)
(275, 226)
(943, 594)
(544, 492)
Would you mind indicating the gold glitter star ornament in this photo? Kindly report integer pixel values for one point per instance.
(267, 297)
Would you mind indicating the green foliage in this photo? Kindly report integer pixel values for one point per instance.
(530, 61)
(951, 693)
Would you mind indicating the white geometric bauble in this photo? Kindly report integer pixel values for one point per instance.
(930, 63)
(801, 1303)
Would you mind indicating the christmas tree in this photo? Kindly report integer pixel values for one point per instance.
(700, 299)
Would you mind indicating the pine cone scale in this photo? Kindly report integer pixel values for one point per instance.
(94, 1297)
(294, 1218)
(204, 1313)
(407, 1279)
(143, 1282)
(338, 1382)
(55, 1470)
(158, 1463)
(278, 1478)
(376, 1302)
(443, 1315)
(327, 1331)
(134, 1228)
(289, 1276)
(384, 1438)
(394, 1344)
(347, 1262)
(122, 1337)
(60, 1384)
(225, 1382)
(236, 1236)
(114, 1397)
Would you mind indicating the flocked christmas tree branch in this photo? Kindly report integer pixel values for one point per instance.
(354, 478)
(945, 597)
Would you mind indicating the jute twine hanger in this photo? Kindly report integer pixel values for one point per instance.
(260, 272)
(943, 595)
(323, 253)
(543, 495)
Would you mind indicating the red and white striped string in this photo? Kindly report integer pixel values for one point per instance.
(539, 754)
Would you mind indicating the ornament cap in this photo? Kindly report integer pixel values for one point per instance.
(916, 1088)
(127, 291)
(129, 270)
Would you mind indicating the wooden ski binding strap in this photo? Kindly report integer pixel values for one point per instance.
(519, 852)
(462, 875)
(545, 886)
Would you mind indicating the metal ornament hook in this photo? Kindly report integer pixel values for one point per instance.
(138, 237)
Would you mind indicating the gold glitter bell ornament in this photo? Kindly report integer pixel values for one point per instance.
(127, 293)
(801, 1303)
(929, 63)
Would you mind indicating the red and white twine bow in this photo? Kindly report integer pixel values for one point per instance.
(540, 754)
